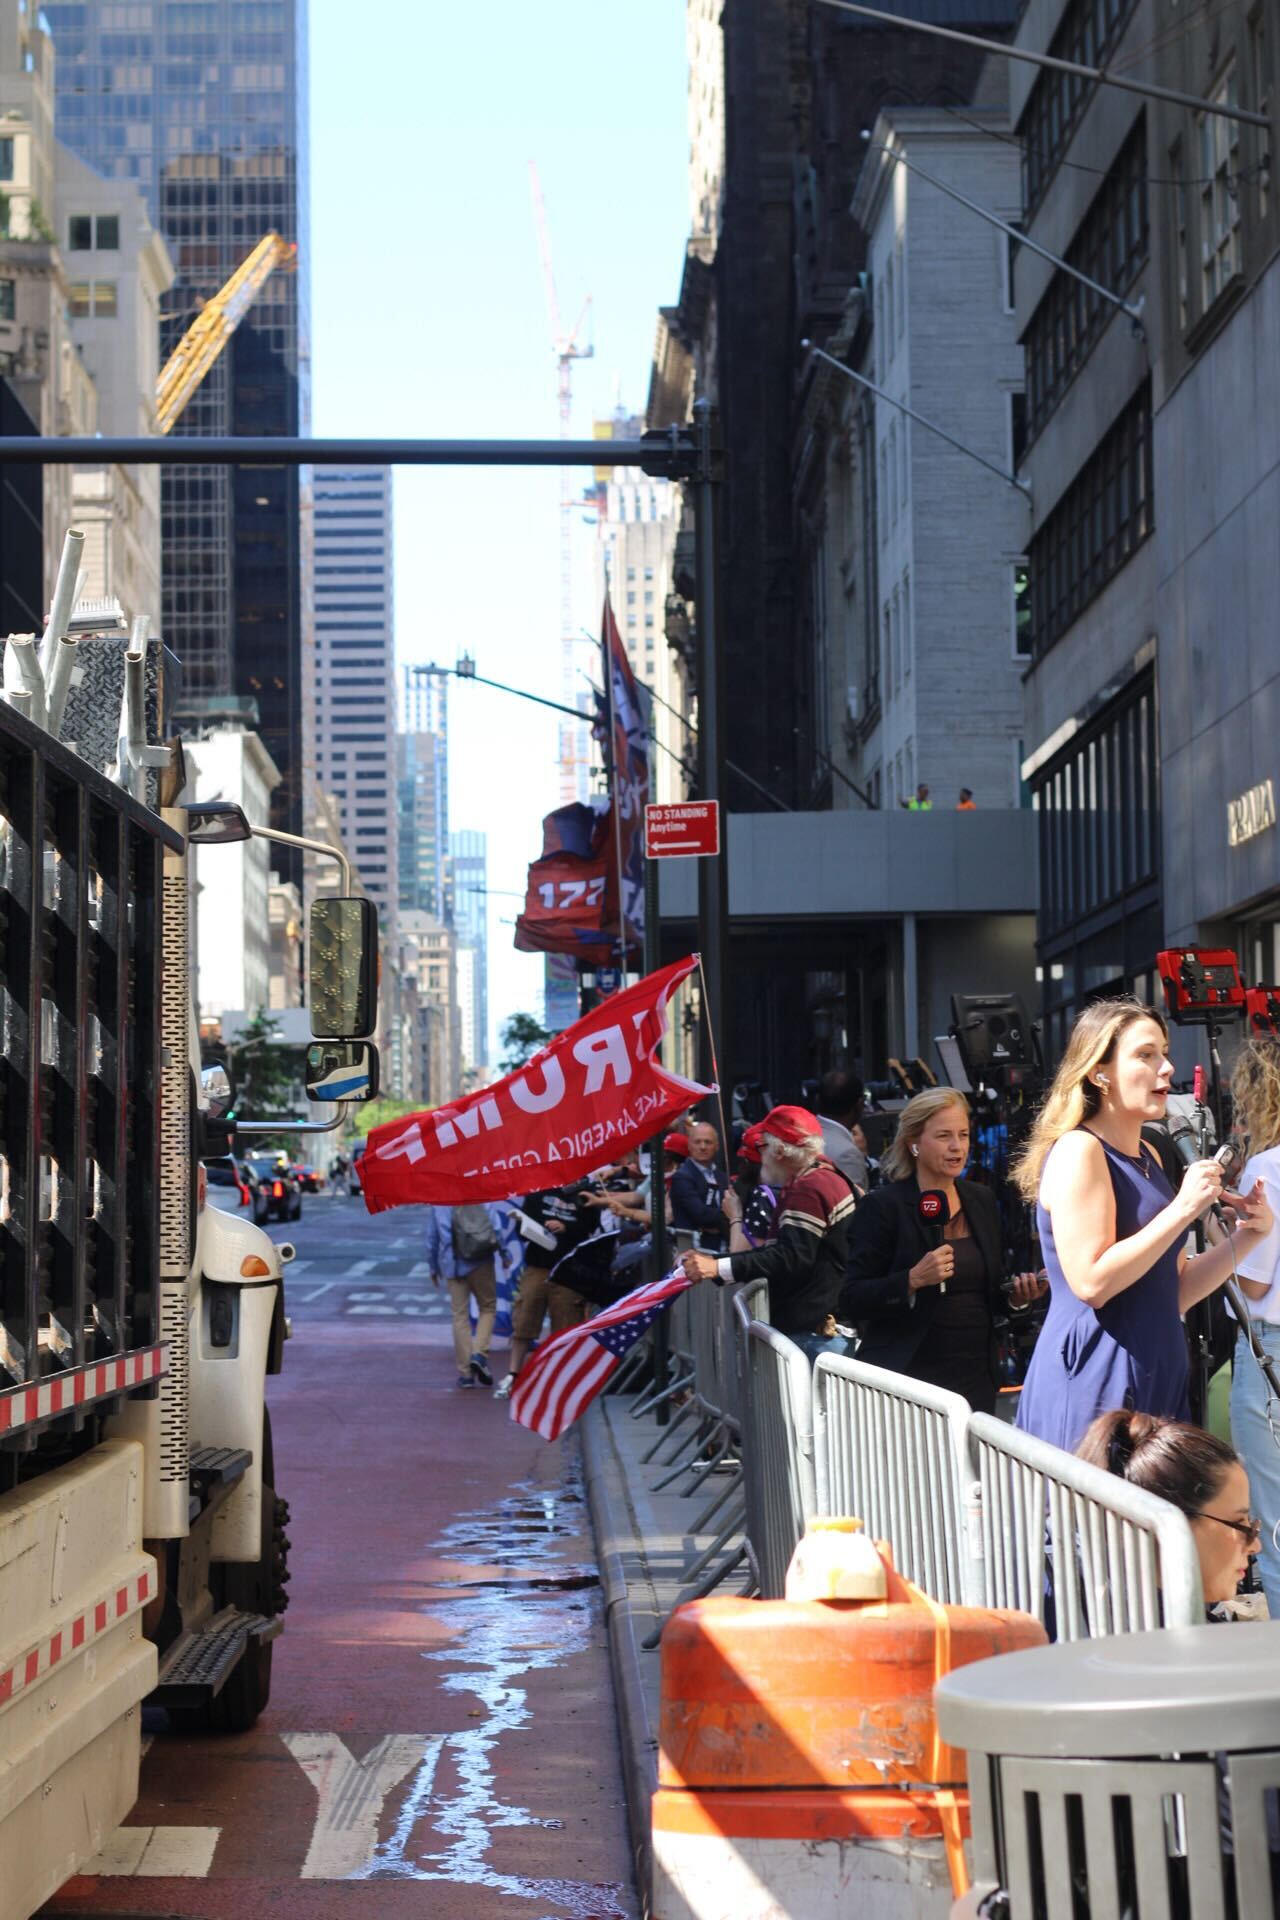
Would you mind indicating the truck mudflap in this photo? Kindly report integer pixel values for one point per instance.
(74, 1667)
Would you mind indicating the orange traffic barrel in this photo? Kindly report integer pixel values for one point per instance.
(800, 1764)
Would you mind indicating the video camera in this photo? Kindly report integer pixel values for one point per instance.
(1201, 984)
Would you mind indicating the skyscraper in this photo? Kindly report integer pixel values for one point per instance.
(469, 869)
(422, 766)
(204, 105)
(355, 671)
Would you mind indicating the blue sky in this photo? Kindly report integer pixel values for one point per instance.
(430, 320)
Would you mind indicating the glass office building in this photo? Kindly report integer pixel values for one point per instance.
(204, 104)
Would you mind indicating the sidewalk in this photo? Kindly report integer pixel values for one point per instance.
(641, 1545)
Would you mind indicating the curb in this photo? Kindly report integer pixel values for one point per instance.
(614, 1527)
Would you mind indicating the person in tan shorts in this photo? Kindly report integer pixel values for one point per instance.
(550, 1224)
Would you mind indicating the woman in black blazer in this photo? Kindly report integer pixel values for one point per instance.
(925, 1294)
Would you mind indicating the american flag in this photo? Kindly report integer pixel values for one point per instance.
(565, 1375)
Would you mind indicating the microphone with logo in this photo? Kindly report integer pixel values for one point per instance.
(933, 1213)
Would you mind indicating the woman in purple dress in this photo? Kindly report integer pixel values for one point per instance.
(1113, 1232)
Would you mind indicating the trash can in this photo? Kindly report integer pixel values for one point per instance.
(1133, 1776)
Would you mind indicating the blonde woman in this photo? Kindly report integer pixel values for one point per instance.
(1113, 1232)
(924, 1293)
(1255, 1093)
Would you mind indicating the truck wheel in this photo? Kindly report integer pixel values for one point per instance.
(257, 1589)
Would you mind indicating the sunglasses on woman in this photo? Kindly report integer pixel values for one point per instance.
(1250, 1526)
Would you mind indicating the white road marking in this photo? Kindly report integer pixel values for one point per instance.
(390, 1310)
(296, 1267)
(170, 1853)
(351, 1795)
(361, 1266)
(419, 1271)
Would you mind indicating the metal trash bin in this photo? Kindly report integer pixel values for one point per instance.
(1131, 1778)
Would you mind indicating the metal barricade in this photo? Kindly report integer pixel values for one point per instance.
(891, 1451)
(777, 1453)
(1077, 1547)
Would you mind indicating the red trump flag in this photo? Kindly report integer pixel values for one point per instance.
(596, 1089)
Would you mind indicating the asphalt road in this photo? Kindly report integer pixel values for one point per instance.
(440, 1739)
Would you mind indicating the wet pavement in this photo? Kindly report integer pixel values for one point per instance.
(441, 1735)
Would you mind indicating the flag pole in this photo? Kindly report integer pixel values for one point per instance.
(715, 1064)
(607, 640)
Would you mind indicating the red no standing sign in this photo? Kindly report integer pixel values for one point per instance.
(682, 827)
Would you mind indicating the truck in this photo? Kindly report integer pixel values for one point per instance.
(143, 1534)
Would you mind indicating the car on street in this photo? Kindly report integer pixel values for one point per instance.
(280, 1184)
(233, 1185)
(310, 1179)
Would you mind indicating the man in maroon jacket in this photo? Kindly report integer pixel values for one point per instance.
(805, 1265)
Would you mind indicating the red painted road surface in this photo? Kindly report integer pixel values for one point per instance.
(440, 1739)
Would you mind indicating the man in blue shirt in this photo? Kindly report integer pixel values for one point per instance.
(462, 1243)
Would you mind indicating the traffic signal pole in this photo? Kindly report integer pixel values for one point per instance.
(713, 885)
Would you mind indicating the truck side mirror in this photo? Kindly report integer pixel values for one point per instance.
(216, 823)
(215, 1084)
(343, 933)
(342, 1070)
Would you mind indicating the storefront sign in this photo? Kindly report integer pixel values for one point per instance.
(1251, 814)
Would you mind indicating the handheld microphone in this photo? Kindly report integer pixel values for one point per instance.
(1228, 1157)
(933, 1213)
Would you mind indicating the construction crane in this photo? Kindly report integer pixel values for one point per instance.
(567, 348)
(214, 325)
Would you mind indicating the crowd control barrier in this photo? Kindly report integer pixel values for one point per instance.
(1136, 1775)
(777, 1453)
(892, 1452)
(1072, 1544)
(977, 1513)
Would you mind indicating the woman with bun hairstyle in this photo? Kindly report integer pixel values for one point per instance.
(1113, 1232)
(1195, 1472)
(925, 1294)
(1255, 1095)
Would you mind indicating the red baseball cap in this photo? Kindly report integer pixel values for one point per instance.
(749, 1147)
(678, 1144)
(792, 1125)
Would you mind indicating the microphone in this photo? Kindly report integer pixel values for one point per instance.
(1228, 1157)
(933, 1213)
(1198, 1086)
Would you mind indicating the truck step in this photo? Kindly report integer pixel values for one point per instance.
(198, 1665)
(213, 1473)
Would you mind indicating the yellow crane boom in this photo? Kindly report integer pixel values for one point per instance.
(214, 325)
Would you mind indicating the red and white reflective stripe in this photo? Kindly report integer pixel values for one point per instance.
(79, 1386)
(121, 1598)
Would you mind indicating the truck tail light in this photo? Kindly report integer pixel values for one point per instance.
(277, 1190)
(244, 1195)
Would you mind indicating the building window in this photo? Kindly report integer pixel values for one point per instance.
(93, 298)
(6, 159)
(80, 233)
(1087, 33)
(7, 291)
(1220, 194)
(108, 234)
(1008, 256)
(1260, 57)
(1020, 609)
(907, 647)
(1098, 803)
(1097, 526)
(1017, 428)
(1111, 245)
(1181, 241)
